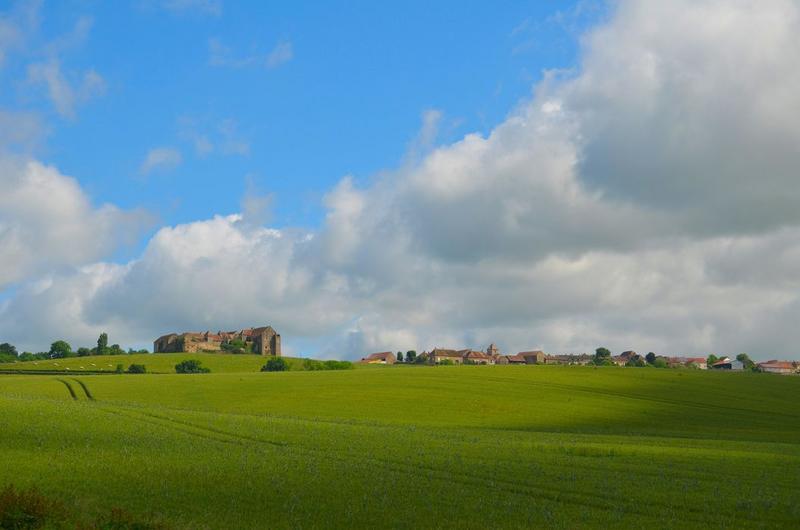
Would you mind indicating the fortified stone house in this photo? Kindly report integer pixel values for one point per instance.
(263, 341)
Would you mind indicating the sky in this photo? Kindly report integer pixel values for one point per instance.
(555, 175)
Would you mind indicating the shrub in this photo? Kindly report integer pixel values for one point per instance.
(338, 365)
(137, 369)
(120, 369)
(236, 346)
(28, 509)
(445, 362)
(314, 365)
(191, 366)
(276, 364)
(660, 362)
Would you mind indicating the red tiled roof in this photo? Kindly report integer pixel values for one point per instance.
(381, 356)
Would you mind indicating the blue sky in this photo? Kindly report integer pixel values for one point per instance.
(347, 100)
(364, 177)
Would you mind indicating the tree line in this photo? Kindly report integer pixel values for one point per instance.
(61, 349)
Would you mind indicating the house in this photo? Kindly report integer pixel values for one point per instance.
(510, 359)
(779, 367)
(385, 357)
(700, 362)
(727, 364)
(532, 357)
(477, 357)
(438, 355)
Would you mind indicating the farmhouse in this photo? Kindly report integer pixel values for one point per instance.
(385, 357)
(532, 357)
(263, 341)
(779, 367)
(510, 359)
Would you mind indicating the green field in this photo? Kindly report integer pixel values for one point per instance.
(412, 447)
(160, 363)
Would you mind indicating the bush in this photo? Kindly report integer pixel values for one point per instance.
(660, 362)
(191, 366)
(120, 369)
(137, 369)
(29, 509)
(7, 358)
(276, 364)
(314, 365)
(236, 346)
(338, 365)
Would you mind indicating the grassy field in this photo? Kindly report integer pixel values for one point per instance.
(160, 363)
(413, 447)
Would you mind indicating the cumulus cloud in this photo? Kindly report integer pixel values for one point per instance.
(645, 200)
(47, 221)
(160, 159)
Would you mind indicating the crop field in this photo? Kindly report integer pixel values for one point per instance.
(412, 447)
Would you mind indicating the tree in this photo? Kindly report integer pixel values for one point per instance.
(60, 349)
(191, 366)
(711, 359)
(660, 362)
(745, 360)
(115, 349)
(399, 356)
(636, 360)
(411, 356)
(650, 358)
(276, 364)
(83, 352)
(602, 356)
(8, 349)
(102, 343)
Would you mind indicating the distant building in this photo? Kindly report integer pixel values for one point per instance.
(579, 359)
(728, 364)
(779, 367)
(532, 357)
(623, 358)
(385, 357)
(263, 341)
(510, 359)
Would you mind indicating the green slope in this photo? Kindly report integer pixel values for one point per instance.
(461, 447)
(163, 363)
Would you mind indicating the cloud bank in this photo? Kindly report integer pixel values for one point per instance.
(647, 200)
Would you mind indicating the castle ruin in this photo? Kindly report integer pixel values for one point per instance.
(262, 341)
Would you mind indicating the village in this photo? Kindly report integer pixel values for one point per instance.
(602, 357)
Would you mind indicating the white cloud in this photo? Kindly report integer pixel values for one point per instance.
(220, 55)
(646, 200)
(64, 93)
(160, 159)
(280, 54)
(47, 222)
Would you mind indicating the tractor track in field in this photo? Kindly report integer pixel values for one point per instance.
(69, 388)
(517, 487)
(86, 391)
